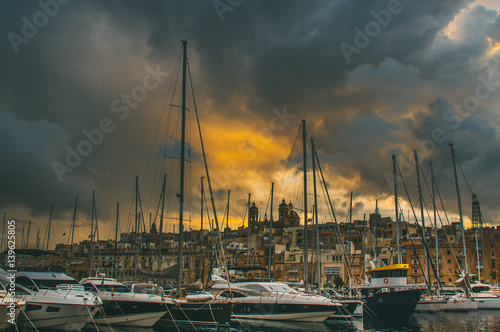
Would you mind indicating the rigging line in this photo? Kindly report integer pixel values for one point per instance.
(219, 237)
(420, 230)
(442, 224)
(336, 226)
(150, 155)
(287, 166)
(385, 180)
(463, 173)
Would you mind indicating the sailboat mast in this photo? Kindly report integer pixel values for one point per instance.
(48, 226)
(136, 249)
(248, 233)
(227, 221)
(3, 230)
(116, 238)
(201, 230)
(28, 235)
(350, 258)
(72, 234)
(304, 155)
(160, 235)
(271, 234)
(398, 224)
(91, 249)
(423, 219)
(318, 253)
(466, 268)
(435, 228)
(183, 150)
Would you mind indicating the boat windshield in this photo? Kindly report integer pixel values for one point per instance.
(113, 288)
(33, 284)
(282, 289)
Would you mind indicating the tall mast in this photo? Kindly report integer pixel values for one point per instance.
(248, 233)
(183, 151)
(91, 250)
(48, 226)
(72, 234)
(364, 247)
(270, 263)
(304, 150)
(37, 241)
(423, 219)
(375, 232)
(116, 238)
(398, 225)
(435, 228)
(160, 234)
(350, 259)
(453, 157)
(227, 221)
(136, 251)
(201, 230)
(3, 230)
(28, 235)
(318, 253)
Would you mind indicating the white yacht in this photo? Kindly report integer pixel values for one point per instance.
(10, 307)
(54, 300)
(123, 307)
(486, 298)
(274, 301)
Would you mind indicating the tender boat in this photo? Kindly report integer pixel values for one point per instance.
(274, 301)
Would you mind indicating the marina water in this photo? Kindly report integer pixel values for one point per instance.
(477, 321)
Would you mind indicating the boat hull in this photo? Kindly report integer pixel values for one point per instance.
(285, 311)
(69, 317)
(130, 313)
(458, 304)
(205, 313)
(430, 305)
(398, 305)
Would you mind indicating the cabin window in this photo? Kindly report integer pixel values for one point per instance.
(33, 307)
(53, 309)
(26, 282)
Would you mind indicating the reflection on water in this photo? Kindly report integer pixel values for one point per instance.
(476, 321)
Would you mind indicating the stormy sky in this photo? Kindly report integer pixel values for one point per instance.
(89, 96)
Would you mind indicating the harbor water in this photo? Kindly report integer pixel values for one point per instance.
(476, 321)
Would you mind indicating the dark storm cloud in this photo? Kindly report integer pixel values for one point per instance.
(28, 149)
(262, 54)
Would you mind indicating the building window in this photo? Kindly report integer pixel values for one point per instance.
(449, 261)
(492, 254)
(332, 270)
(493, 265)
(492, 245)
(448, 252)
